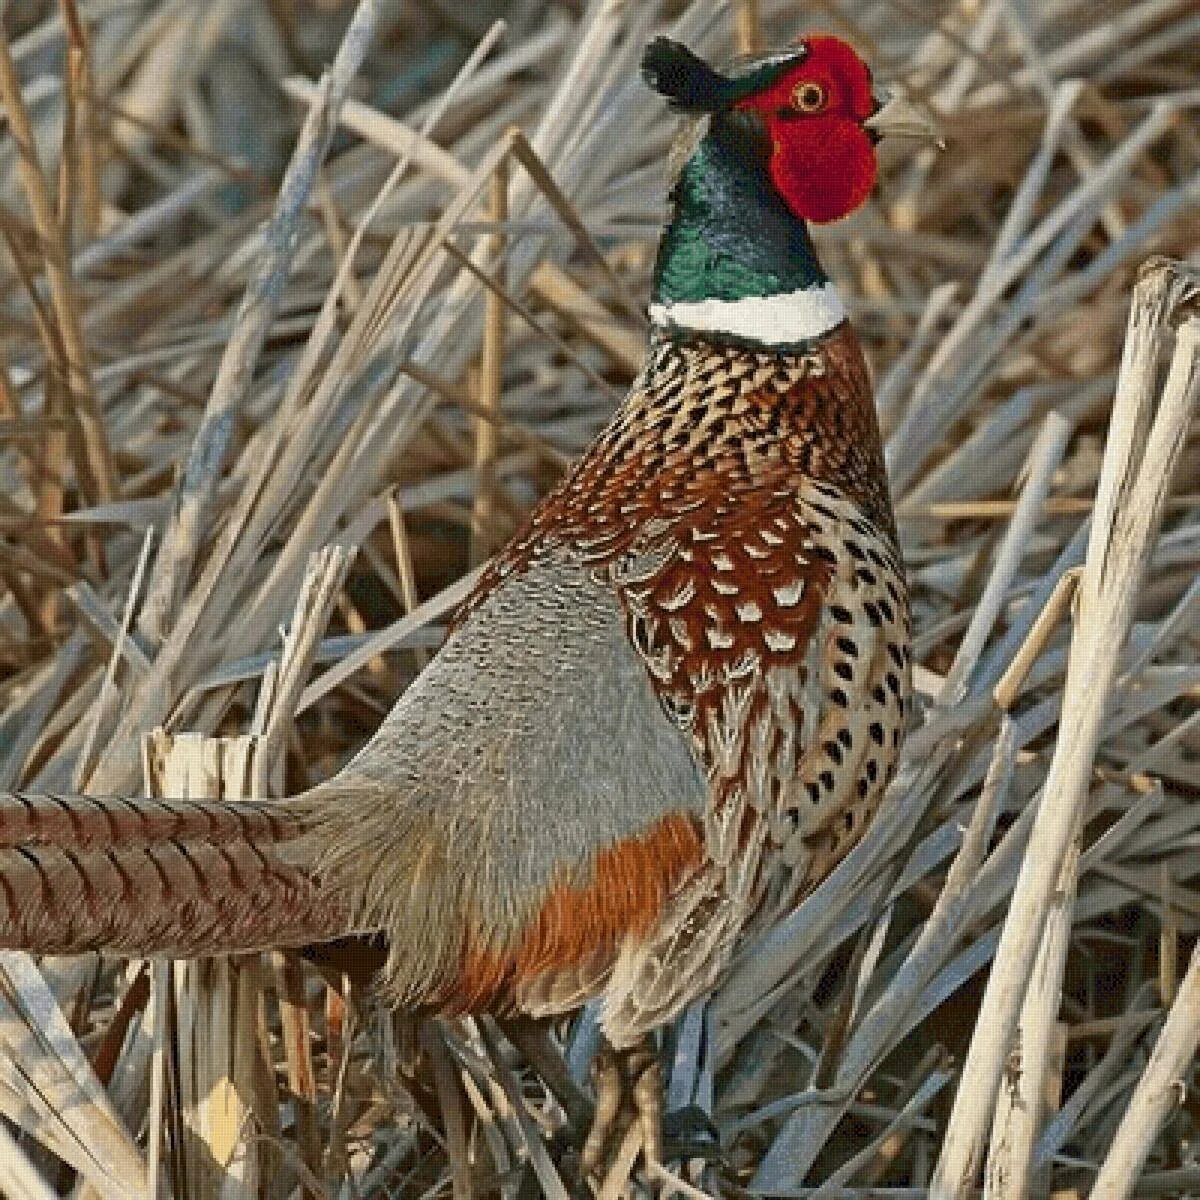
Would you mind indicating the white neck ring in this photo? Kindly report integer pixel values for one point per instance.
(782, 319)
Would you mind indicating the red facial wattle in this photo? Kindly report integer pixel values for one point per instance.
(822, 162)
(825, 170)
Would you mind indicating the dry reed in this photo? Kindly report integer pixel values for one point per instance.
(279, 349)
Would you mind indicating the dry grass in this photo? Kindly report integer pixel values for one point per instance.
(214, 365)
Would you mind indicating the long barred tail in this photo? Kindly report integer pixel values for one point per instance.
(156, 877)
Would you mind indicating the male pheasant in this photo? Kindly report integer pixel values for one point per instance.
(671, 704)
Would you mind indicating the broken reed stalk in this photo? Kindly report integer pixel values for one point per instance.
(1144, 443)
(215, 1000)
(323, 583)
(1009, 685)
(219, 1089)
(491, 379)
(1158, 1090)
(1020, 1105)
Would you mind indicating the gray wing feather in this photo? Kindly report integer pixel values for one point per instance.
(533, 740)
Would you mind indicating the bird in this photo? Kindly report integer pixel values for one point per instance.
(671, 704)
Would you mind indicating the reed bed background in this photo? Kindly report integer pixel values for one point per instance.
(303, 305)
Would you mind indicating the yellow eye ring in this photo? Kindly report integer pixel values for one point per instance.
(809, 97)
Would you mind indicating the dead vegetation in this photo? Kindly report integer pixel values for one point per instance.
(284, 355)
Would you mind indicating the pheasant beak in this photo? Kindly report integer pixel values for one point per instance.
(896, 117)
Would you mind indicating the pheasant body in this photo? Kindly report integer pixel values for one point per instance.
(670, 705)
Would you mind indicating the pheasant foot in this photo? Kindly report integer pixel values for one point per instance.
(629, 1091)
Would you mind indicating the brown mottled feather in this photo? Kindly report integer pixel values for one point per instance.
(86, 822)
(148, 876)
(168, 897)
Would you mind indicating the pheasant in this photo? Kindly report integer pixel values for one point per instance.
(671, 704)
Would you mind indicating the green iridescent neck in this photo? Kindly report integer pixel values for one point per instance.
(731, 235)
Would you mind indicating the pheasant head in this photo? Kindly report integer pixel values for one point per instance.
(790, 138)
(813, 105)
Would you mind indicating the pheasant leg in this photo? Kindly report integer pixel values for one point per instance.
(646, 1083)
(628, 1085)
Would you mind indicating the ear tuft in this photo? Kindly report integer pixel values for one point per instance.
(681, 75)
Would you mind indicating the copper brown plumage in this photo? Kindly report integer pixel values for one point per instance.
(182, 877)
(669, 706)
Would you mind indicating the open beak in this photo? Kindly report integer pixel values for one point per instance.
(896, 117)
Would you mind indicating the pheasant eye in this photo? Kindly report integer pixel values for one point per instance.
(809, 97)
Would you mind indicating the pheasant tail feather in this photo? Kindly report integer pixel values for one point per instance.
(155, 877)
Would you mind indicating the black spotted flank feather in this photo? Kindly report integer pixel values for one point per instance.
(681, 75)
